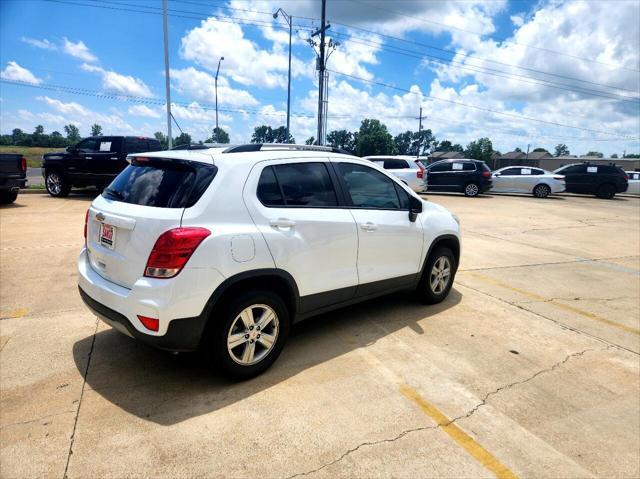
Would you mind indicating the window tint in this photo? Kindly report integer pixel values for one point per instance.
(468, 166)
(405, 202)
(136, 145)
(535, 171)
(607, 169)
(306, 184)
(163, 184)
(484, 167)
(510, 172)
(269, 192)
(369, 188)
(394, 164)
(573, 169)
(437, 167)
(90, 144)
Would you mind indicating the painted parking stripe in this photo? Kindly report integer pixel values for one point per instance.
(17, 313)
(555, 302)
(460, 437)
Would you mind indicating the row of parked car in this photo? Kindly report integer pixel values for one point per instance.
(473, 177)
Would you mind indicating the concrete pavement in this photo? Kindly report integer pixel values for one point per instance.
(529, 369)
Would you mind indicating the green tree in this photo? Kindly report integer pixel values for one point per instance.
(17, 135)
(595, 153)
(73, 133)
(342, 139)
(403, 142)
(57, 140)
(480, 149)
(422, 143)
(446, 145)
(262, 134)
(182, 139)
(631, 155)
(218, 135)
(561, 150)
(279, 135)
(518, 149)
(374, 139)
(310, 141)
(164, 144)
(615, 155)
(96, 130)
(540, 150)
(38, 137)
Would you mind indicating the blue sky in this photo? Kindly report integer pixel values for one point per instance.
(562, 63)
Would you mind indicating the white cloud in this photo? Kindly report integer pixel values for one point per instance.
(15, 72)
(143, 110)
(201, 86)
(81, 116)
(44, 44)
(118, 83)
(78, 50)
(70, 108)
(517, 20)
(196, 113)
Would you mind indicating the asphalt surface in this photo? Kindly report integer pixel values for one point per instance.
(530, 368)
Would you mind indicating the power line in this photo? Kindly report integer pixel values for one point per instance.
(467, 105)
(502, 39)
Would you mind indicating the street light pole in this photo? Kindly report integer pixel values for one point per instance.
(289, 20)
(166, 71)
(217, 129)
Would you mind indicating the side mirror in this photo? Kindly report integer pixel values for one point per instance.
(415, 208)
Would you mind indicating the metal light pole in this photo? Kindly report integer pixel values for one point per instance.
(217, 71)
(289, 20)
(166, 70)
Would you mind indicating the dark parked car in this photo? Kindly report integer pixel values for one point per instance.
(604, 181)
(13, 176)
(470, 177)
(95, 161)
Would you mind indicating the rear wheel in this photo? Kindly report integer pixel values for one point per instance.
(7, 197)
(248, 336)
(472, 189)
(438, 275)
(56, 184)
(606, 191)
(541, 191)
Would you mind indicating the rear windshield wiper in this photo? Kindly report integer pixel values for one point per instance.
(114, 193)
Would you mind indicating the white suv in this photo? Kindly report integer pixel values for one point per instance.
(222, 250)
(408, 169)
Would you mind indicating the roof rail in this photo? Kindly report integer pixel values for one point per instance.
(282, 146)
(192, 146)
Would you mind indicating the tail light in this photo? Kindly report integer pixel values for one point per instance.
(420, 174)
(151, 324)
(626, 177)
(172, 251)
(23, 164)
(86, 221)
(558, 178)
(486, 174)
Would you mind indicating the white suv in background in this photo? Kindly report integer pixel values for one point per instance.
(408, 168)
(221, 251)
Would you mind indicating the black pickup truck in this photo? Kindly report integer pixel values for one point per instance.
(13, 176)
(94, 161)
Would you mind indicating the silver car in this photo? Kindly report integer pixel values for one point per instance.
(634, 183)
(526, 179)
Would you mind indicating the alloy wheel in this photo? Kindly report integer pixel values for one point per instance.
(54, 183)
(471, 189)
(253, 334)
(440, 275)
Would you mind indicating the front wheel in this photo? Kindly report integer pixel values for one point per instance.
(472, 189)
(56, 184)
(541, 191)
(438, 275)
(248, 335)
(8, 197)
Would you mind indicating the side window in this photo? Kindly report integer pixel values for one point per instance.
(510, 172)
(440, 167)
(395, 164)
(369, 188)
(574, 170)
(306, 184)
(269, 192)
(535, 171)
(90, 144)
(136, 145)
(405, 202)
(469, 166)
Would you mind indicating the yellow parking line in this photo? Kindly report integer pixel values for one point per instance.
(18, 313)
(461, 438)
(556, 303)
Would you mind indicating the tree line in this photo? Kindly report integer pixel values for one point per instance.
(372, 138)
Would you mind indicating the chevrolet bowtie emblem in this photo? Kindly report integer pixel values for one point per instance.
(100, 217)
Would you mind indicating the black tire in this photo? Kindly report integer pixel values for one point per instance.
(425, 290)
(8, 197)
(541, 191)
(471, 189)
(215, 342)
(56, 184)
(606, 191)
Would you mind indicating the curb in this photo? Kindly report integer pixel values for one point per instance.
(31, 191)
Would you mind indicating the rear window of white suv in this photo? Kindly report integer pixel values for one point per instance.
(162, 183)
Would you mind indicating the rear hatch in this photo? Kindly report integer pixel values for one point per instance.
(12, 165)
(145, 200)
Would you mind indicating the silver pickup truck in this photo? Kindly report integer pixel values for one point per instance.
(13, 176)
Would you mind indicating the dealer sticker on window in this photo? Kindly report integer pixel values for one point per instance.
(107, 235)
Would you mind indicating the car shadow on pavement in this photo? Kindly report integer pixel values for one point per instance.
(167, 389)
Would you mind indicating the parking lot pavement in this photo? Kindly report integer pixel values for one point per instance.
(529, 369)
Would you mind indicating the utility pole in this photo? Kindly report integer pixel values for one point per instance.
(321, 68)
(419, 135)
(166, 71)
(289, 20)
(527, 157)
(216, 82)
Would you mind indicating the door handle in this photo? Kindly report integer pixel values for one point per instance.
(282, 223)
(368, 226)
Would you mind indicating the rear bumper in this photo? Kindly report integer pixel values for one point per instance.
(12, 184)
